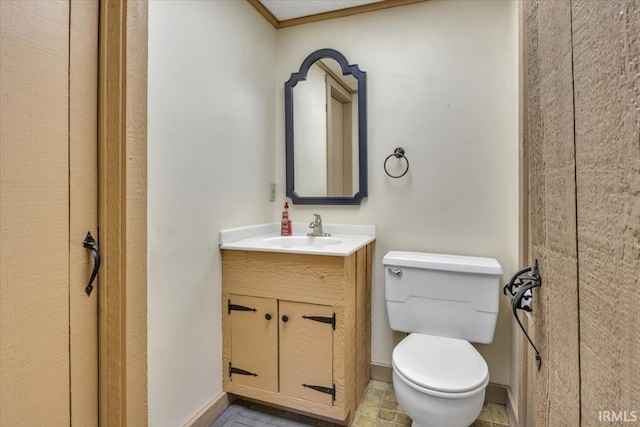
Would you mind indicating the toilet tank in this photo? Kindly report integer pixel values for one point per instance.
(444, 295)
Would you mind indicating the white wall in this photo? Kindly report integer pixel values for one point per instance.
(442, 85)
(210, 161)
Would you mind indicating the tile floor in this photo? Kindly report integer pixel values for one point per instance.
(379, 408)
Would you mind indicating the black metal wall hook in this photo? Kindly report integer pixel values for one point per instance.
(519, 290)
(521, 279)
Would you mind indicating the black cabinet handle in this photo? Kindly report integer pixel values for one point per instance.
(285, 319)
(267, 316)
(90, 243)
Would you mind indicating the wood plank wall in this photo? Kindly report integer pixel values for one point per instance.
(582, 142)
(553, 219)
(606, 52)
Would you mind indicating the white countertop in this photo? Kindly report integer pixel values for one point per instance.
(344, 239)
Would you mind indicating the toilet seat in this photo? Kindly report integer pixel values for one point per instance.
(440, 366)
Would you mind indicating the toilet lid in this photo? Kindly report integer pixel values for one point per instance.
(443, 364)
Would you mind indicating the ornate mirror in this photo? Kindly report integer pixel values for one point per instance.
(326, 131)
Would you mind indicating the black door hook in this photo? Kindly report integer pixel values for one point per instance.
(90, 243)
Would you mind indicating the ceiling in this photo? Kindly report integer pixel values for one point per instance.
(285, 13)
(290, 9)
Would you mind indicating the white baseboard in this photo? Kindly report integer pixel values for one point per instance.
(211, 411)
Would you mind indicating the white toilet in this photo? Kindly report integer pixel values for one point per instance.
(444, 302)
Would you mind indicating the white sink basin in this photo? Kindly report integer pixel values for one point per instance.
(302, 241)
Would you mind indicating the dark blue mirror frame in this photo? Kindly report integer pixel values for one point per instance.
(301, 75)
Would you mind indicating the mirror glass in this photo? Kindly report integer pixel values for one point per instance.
(326, 131)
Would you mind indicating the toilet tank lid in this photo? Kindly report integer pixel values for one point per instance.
(465, 264)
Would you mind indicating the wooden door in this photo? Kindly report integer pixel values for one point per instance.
(606, 78)
(552, 200)
(254, 341)
(48, 193)
(306, 351)
(339, 139)
(581, 149)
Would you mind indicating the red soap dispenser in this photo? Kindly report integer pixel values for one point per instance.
(285, 229)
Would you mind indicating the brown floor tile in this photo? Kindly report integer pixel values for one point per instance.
(370, 411)
(387, 415)
(403, 419)
(377, 392)
(485, 414)
(390, 395)
(389, 404)
(498, 414)
(371, 401)
(364, 421)
(378, 384)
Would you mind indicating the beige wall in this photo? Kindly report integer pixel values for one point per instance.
(442, 84)
(210, 162)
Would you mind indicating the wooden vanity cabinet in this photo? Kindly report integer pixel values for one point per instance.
(297, 330)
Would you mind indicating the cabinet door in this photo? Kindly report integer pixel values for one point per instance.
(254, 342)
(306, 351)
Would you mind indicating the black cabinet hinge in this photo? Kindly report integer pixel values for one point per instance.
(239, 371)
(238, 307)
(330, 320)
(325, 390)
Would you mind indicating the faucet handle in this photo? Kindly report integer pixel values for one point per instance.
(317, 227)
(317, 222)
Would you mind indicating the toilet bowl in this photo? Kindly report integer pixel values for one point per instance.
(444, 302)
(439, 382)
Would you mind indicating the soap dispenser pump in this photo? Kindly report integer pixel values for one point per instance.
(285, 228)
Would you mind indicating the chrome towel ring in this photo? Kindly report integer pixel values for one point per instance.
(398, 153)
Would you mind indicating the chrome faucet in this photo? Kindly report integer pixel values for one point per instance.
(316, 225)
